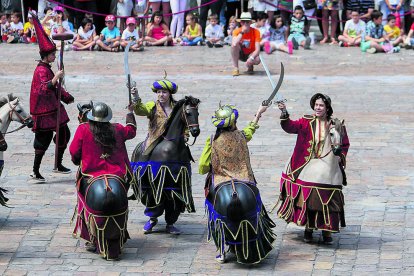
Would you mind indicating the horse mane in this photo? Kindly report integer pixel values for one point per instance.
(178, 105)
(9, 98)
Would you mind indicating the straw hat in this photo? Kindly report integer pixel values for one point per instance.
(245, 16)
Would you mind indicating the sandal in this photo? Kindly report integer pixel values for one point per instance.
(235, 72)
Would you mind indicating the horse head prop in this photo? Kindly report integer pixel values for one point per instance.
(190, 115)
(83, 111)
(336, 131)
(11, 109)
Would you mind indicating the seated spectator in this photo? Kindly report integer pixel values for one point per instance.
(393, 32)
(59, 25)
(214, 33)
(375, 36)
(298, 29)
(85, 39)
(131, 34)
(4, 27)
(245, 45)
(232, 26)
(409, 40)
(278, 36)
(110, 36)
(16, 29)
(158, 33)
(29, 34)
(263, 26)
(193, 34)
(353, 31)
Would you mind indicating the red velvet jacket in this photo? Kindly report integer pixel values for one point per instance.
(43, 99)
(93, 160)
(305, 139)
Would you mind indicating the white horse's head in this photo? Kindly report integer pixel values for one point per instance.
(15, 110)
(335, 134)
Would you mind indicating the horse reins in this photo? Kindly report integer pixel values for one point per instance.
(186, 121)
(332, 146)
(22, 120)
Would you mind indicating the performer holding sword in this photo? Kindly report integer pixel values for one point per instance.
(237, 218)
(48, 113)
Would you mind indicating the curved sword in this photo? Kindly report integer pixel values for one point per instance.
(275, 87)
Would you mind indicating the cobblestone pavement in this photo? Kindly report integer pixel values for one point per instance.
(373, 93)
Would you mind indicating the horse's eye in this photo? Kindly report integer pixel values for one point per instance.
(19, 111)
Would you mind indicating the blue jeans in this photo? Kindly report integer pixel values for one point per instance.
(194, 41)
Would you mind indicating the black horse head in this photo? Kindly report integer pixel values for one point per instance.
(191, 115)
(83, 110)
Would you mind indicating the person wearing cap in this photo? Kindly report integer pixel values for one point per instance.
(158, 112)
(311, 131)
(98, 146)
(110, 36)
(43, 104)
(60, 25)
(29, 34)
(131, 34)
(245, 45)
(225, 158)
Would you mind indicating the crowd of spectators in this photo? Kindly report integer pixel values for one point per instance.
(281, 25)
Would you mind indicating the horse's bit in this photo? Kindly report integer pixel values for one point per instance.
(186, 121)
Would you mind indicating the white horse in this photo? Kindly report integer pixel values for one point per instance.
(11, 109)
(326, 169)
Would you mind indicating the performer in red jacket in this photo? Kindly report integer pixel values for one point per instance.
(311, 194)
(44, 104)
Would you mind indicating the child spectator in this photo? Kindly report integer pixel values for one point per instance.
(353, 31)
(374, 36)
(110, 36)
(278, 36)
(85, 37)
(131, 34)
(263, 27)
(16, 29)
(214, 33)
(232, 26)
(409, 40)
(298, 29)
(393, 32)
(47, 20)
(193, 32)
(29, 34)
(4, 27)
(60, 25)
(158, 32)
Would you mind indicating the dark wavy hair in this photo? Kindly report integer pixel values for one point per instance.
(104, 135)
(158, 13)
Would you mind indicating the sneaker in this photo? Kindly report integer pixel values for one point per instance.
(149, 225)
(199, 43)
(267, 48)
(171, 229)
(408, 47)
(307, 43)
(218, 45)
(235, 72)
(37, 177)
(341, 44)
(326, 237)
(372, 50)
(62, 169)
(295, 44)
(209, 44)
(290, 47)
(221, 259)
(307, 237)
(396, 49)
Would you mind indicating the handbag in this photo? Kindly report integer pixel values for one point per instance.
(309, 4)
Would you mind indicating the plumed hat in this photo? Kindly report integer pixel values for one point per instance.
(164, 84)
(225, 116)
(46, 45)
(327, 101)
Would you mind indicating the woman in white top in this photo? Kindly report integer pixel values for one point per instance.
(85, 37)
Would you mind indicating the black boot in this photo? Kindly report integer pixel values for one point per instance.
(35, 175)
(60, 167)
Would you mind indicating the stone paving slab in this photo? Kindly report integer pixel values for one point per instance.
(373, 93)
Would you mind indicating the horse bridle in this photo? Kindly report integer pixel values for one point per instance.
(333, 144)
(23, 121)
(186, 121)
